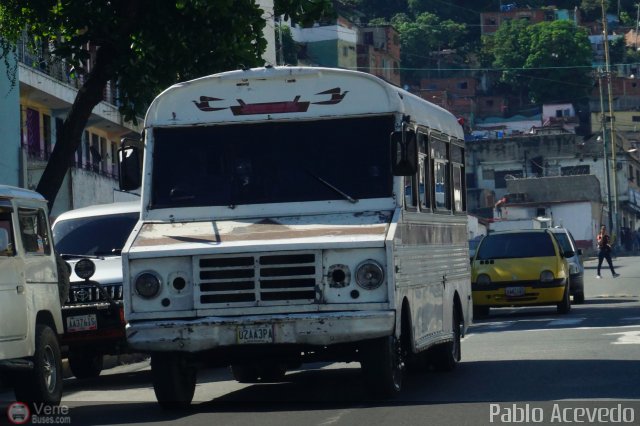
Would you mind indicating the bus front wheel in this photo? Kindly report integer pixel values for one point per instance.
(383, 366)
(174, 380)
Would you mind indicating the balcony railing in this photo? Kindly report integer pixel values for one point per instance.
(58, 69)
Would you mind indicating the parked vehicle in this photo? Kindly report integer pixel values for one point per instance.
(276, 229)
(520, 268)
(90, 239)
(576, 268)
(30, 315)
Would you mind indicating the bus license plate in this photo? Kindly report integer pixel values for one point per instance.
(514, 291)
(254, 334)
(82, 323)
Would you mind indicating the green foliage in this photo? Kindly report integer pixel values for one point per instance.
(549, 61)
(423, 39)
(289, 48)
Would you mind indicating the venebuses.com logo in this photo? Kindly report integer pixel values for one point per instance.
(19, 413)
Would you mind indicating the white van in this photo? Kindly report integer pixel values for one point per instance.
(30, 317)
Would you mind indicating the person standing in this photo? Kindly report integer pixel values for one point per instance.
(604, 251)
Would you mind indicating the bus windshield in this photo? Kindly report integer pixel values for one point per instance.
(229, 165)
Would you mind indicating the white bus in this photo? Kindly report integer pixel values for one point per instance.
(292, 215)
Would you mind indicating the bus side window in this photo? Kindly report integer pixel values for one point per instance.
(440, 165)
(459, 190)
(423, 173)
(410, 193)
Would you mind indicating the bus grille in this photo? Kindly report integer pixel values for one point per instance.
(258, 279)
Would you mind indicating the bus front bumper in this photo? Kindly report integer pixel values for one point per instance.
(316, 329)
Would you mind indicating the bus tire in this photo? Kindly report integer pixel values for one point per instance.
(382, 366)
(85, 364)
(564, 307)
(43, 384)
(174, 380)
(244, 373)
(447, 355)
(272, 372)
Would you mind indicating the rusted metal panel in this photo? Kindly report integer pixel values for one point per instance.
(343, 226)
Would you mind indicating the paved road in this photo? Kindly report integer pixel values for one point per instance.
(588, 358)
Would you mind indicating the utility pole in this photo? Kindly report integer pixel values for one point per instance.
(614, 229)
(604, 150)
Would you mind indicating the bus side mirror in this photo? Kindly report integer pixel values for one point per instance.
(404, 152)
(129, 166)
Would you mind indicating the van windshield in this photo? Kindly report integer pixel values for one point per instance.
(94, 236)
(515, 246)
(228, 165)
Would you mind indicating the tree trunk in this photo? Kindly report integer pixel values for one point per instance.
(89, 95)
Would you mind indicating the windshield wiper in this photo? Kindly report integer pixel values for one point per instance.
(338, 191)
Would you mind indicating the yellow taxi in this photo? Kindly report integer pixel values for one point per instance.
(520, 268)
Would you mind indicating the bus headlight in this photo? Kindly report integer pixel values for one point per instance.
(546, 276)
(369, 275)
(147, 285)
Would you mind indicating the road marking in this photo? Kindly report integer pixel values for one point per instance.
(626, 338)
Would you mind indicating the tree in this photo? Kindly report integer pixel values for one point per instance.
(422, 39)
(548, 61)
(287, 48)
(142, 45)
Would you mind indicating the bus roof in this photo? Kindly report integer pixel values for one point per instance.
(291, 93)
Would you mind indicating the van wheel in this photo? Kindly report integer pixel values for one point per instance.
(383, 366)
(445, 357)
(85, 364)
(578, 298)
(174, 380)
(564, 307)
(44, 383)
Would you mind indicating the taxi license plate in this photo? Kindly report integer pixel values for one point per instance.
(514, 291)
(82, 323)
(254, 334)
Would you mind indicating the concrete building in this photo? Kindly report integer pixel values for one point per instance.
(378, 51)
(332, 45)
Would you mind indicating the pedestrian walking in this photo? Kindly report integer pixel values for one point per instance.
(604, 251)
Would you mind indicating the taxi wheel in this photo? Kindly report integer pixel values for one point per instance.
(85, 364)
(43, 384)
(564, 307)
(383, 366)
(174, 380)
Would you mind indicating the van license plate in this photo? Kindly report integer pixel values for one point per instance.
(514, 291)
(254, 334)
(82, 323)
